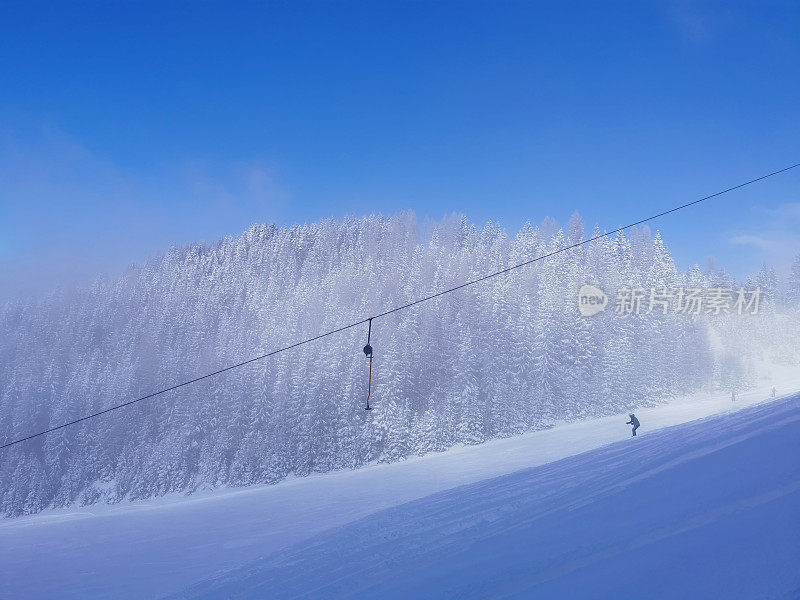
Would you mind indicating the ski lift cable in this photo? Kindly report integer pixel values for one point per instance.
(394, 310)
(582, 242)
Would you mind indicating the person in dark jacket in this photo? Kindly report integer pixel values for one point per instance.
(634, 421)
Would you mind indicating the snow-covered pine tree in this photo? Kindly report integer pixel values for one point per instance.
(506, 356)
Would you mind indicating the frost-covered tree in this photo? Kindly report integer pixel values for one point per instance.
(509, 355)
(793, 283)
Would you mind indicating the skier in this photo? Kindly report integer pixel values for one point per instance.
(634, 421)
(773, 391)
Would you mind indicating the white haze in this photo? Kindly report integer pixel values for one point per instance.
(499, 358)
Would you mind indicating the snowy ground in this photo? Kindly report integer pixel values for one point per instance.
(145, 549)
(705, 510)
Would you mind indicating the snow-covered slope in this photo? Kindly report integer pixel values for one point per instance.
(510, 355)
(148, 548)
(706, 510)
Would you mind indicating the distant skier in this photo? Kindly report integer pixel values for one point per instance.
(773, 391)
(733, 396)
(634, 421)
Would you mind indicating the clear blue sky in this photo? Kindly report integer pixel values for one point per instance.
(128, 127)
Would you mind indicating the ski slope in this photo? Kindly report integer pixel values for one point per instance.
(151, 548)
(707, 510)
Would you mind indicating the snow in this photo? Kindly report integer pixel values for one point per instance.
(707, 510)
(155, 547)
(509, 355)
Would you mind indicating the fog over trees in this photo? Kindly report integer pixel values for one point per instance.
(508, 355)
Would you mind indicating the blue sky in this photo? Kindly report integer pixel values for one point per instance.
(128, 127)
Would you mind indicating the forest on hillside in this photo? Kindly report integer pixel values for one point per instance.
(508, 355)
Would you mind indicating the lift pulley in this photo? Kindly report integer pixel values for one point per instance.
(368, 354)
